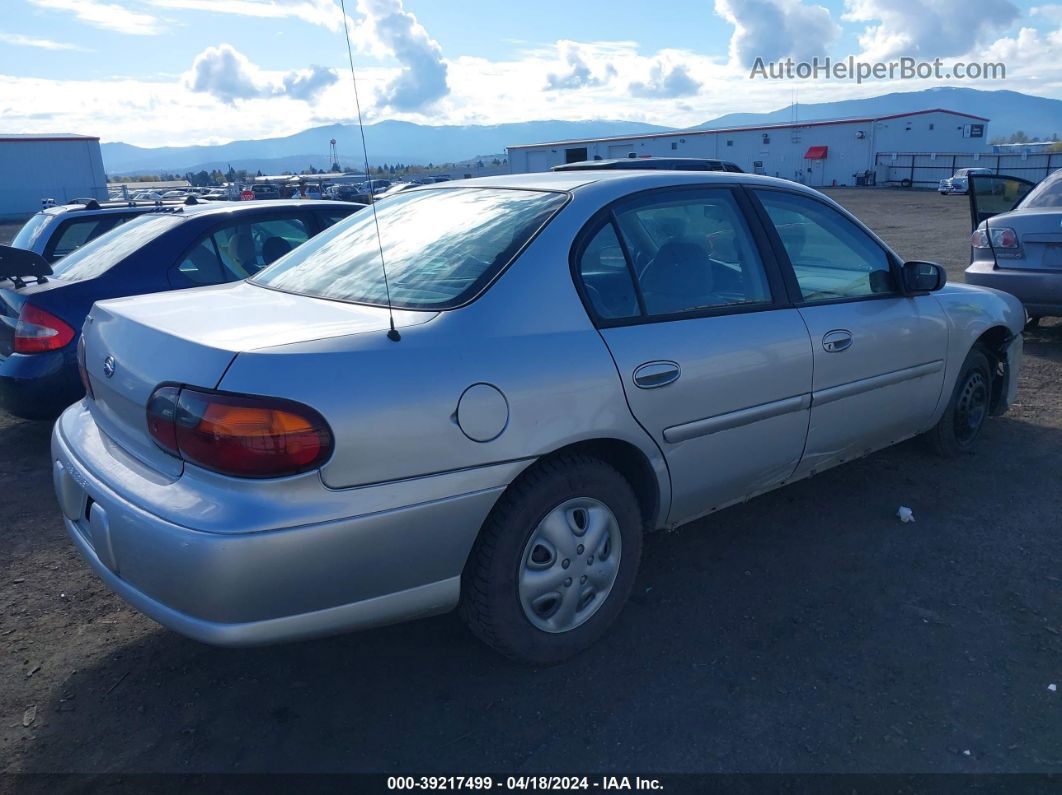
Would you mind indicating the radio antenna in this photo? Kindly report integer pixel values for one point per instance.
(393, 334)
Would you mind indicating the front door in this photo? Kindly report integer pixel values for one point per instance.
(714, 367)
(879, 355)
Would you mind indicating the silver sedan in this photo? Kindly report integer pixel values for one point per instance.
(484, 397)
(1016, 245)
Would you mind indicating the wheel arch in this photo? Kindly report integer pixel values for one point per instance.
(993, 342)
(635, 467)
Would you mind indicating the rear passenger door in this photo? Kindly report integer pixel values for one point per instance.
(879, 354)
(714, 365)
(241, 247)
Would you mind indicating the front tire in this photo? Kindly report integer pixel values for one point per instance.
(967, 410)
(555, 560)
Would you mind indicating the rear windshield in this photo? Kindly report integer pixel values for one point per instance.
(100, 255)
(1047, 194)
(441, 247)
(30, 231)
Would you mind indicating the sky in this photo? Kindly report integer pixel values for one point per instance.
(183, 72)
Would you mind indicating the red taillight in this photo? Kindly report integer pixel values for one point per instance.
(38, 331)
(82, 368)
(161, 418)
(238, 435)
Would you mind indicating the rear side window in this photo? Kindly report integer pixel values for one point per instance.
(606, 278)
(833, 258)
(330, 217)
(1047, 194)
(74, 233)
(245, 248)
(441, 247)
(682, 252)
(692, 250)
(30, 231)
(201, 265)
(100, 255)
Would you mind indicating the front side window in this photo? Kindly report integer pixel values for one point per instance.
(833, 258)
(691, 250)
(440, 247)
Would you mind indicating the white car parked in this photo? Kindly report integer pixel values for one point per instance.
(958, 182)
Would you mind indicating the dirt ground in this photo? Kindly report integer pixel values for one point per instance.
(806, 631)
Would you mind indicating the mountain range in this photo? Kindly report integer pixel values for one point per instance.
(386, 141)
(1008, 111)
(405, 142)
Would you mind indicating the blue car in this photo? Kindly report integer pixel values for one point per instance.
(42, 309)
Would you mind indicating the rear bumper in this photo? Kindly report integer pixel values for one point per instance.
(39, 386)
(241, 589)
(1039, 291)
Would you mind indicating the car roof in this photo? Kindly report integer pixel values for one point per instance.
(212, 208)
(636, 163)
(630, 179)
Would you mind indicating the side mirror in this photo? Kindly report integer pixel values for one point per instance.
(923, 277)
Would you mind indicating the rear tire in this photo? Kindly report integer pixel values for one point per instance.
(1032, 322)
(967, 410)
(555, 560)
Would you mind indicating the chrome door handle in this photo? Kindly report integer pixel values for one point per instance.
(837, 340)
(652, 375)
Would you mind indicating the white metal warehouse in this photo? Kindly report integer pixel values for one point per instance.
(60, 167)
(817, 153)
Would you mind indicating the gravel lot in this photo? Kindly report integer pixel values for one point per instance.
(806, 631)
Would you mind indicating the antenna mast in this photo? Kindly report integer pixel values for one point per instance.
(393, 334)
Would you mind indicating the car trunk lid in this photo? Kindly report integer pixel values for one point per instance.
(189, 337)
(1040, 236)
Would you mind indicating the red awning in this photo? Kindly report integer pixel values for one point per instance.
(816, 153)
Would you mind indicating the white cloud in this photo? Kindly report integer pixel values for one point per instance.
(577, 73)
(1029, 54)
(422, 80)
(928, 28)
(666, 81)
(1052, 11)
(165, 110)
(305, 84)
(316, 12)
(227, 74)
(108, 16)
(383, 29)
(777, 29)
(43, 44)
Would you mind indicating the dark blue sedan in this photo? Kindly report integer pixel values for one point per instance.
(175, 248)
